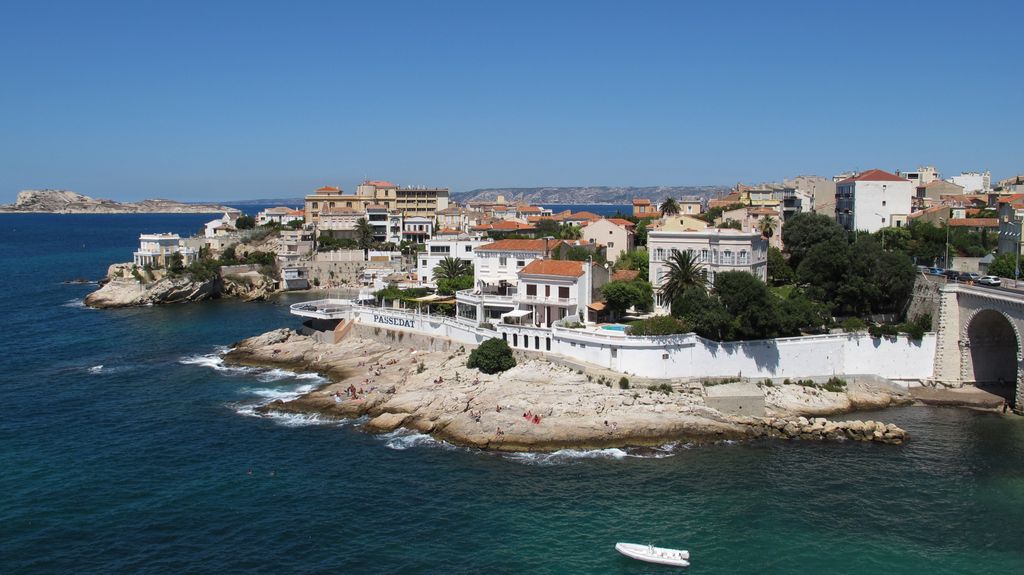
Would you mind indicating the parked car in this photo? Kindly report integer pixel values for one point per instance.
(951, 274)
(935, 271)
(989, 281)
(968, 277)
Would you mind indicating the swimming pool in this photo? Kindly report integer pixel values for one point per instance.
(615, 327)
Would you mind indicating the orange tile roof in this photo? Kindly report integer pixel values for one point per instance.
(329, 189)
(525, 209)
(380, 184)
(641, 202)
(621, 222)
(875, 176)
(583, 216)
(518, 246)
(509, 225)
(625, 275)
(563, 268)
(974, 222)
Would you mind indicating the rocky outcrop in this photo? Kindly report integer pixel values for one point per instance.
(819, 429)
(67, 202)
(125, 293)
(535, 406)
(252, 286)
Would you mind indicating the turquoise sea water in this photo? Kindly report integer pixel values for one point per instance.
(142, 465)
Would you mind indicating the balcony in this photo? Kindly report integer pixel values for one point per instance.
(547, 300)
(476, 297)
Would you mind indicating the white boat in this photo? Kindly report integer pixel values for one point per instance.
(651, 554)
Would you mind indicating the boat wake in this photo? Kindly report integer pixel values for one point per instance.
(566, 456)
(75, 303)
(96, 369)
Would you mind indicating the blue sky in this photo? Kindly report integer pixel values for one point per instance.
(236, 100)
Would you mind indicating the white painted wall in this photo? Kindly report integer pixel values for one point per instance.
(688, 355)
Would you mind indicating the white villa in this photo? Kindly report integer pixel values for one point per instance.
(281, 215)
(155, 250)
(221, 226)
(553, 290)
(496, 269)
(873, 200)
(718, 250)
(455, 245)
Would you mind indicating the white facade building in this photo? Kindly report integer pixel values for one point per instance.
(155, 250)
(923, 176)
(873, 200)
(221, 226)
(613, 233)
(973, 182)
(280, 215)
(459, 246)
(553, 290)
(496, 274)
(718, 250)
(418, 229)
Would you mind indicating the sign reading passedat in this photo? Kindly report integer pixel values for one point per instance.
(396, 321)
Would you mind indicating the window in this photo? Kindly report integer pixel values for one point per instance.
(563, 293)
(503, 261)
(743, 257)
(469, 248)
(547, 291)
(520, 263)
(611, 244)
(423, 263)
(659, 254)
(883, 203)
(531, 289)
(315, 205)
(704, 255)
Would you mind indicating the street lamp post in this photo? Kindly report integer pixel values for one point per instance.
(945, 254)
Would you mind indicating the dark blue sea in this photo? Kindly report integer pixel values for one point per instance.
(126, 447)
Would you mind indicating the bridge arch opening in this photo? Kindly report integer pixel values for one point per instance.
(994, 352)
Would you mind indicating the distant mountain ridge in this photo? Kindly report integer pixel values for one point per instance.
(68, 202)
(587, 194)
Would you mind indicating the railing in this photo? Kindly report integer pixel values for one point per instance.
(469, 294)
(547, 299)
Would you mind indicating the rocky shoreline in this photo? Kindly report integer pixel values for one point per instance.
(536, 406)
(122, 289)
(67, 202)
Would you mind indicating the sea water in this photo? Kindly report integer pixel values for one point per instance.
(126, 446)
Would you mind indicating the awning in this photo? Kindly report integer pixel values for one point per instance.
(596, 306)
(517, 313)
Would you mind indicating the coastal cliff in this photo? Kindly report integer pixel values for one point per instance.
(67, 202)
(127, 286)
(535, 406)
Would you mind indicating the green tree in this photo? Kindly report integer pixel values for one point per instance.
(640, 234)
(766, 225)
(669, 207)
(683, 272)
(227, 257)
(492, 356)
(364, 234)
(176, 264)
(636, 259)
(753, 307)
(730, 224)
(570, 232)
(245, 222)
(448, 286)
(546, 227)
(619, 296)
(804, 231)
(704, 314)
(779, 270)
(450, 268)
(1004, 265)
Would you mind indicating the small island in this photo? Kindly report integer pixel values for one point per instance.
(68, 202)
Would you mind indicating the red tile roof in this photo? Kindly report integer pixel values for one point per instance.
(621, 222)
(974, 222)
(380, 184)
(518, 246)
(875, 176)
(563, 268)
(329, 189)
(625, 275)
(509, 225)
(641, 202)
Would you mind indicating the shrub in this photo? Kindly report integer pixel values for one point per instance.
(623, 382)
(665, 388)
(487, 325)
(835, 384)
(493, 356)
(658, 325)
(421, 368)
(913, 330)
(925, 321)
(316, 281)
(245, 222)
(768, 382)
(852, 324)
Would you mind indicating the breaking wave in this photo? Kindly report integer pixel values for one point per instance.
(402, 439)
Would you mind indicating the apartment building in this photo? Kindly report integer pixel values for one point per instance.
(496, 268)
(873, 200)
(446, 245)
(613, 233)
(554, 290)
(410, 201)
(973, 182)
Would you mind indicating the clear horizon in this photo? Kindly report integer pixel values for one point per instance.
(240, 101)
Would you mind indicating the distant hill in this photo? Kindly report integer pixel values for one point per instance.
(588, 194)
(67, 202)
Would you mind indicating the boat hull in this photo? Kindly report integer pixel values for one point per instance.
(659, 555)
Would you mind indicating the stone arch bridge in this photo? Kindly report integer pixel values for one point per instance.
(979, 340)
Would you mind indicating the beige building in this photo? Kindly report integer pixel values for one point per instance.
(613, 233)
(750, 219)
(411, 201)
(329, 198)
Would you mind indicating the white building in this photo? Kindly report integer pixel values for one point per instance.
(339, 222)
(155, 250)
(418, 229)
(496, 270)
(717, 250)
(280, 215)
(553, 290)
(873, 200)
(458, 246)
(613, 233)
(973, 182)
(923, 176)
(221, 226)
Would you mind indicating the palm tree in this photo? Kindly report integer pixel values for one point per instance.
(767, 227)
(570, 232)
(450, 268)
(669, 207)
(683, 272)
